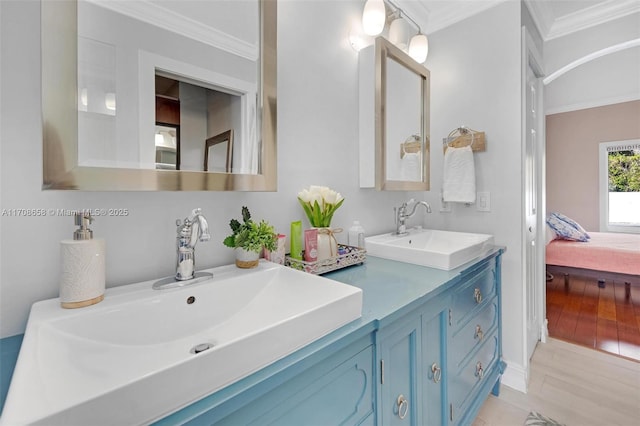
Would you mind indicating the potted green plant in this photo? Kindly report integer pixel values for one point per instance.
(249, 238)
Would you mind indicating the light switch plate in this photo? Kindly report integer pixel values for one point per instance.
(483, 201)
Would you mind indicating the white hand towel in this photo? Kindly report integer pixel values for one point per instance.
(459, 183)
(410, 167)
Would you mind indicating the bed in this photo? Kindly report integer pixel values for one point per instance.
(606, 256)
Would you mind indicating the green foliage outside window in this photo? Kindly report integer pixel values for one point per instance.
(624, 171)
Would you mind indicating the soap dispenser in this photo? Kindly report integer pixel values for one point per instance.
(83, 266)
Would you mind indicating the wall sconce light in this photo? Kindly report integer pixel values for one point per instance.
(399, 31)
(374, 17)
(419, 47)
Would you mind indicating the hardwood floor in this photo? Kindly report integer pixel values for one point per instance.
(607, 319)
(572, 385)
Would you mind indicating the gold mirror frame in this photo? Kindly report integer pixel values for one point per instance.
(59, 38)
(385, 49)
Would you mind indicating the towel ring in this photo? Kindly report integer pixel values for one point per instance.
(413, 143)
(463, 130)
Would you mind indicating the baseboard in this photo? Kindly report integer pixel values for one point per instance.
(515, 376)
(544, 335)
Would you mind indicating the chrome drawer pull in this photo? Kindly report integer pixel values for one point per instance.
(477, 295)
(479, 334)
(403, 407)
(479, 371)
(437, 373)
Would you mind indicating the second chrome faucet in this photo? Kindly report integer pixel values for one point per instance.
(401, 214)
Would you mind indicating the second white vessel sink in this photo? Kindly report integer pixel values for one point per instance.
(430, 247)
(143, 353)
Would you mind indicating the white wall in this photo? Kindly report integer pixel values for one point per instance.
(475, 81)
(317, 144)
(607, 80)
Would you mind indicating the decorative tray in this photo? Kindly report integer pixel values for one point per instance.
(347, 256)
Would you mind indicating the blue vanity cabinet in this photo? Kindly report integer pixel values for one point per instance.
(412, 374)
(433, 374)
(428, 351)
(337, 390)
(398, 353)
(474, 346)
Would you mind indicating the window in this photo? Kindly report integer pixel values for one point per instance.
(620, 186)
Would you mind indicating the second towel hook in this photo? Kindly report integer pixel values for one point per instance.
(464, 136)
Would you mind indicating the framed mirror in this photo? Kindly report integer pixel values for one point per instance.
(402, 125)
(394, 119)
(218, 152)
(131, 92)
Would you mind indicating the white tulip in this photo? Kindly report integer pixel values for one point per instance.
(328, 195)
(317, 189)
(316, 196)
(304, 195)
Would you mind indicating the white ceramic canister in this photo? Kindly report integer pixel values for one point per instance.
(82, 282)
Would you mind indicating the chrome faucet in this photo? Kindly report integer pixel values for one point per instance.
(401, 214)
(194, 228)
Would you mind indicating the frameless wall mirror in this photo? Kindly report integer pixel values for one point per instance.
(132, 92)
(394, 119)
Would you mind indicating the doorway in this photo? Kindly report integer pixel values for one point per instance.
(533, 141)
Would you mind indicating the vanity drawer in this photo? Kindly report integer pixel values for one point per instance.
(473, 296)
(472, 334)
(466, 382)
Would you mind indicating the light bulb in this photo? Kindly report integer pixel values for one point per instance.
(373, 17)
(419, 47)
(398, 33)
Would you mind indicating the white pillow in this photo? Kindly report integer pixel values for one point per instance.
(565, 230)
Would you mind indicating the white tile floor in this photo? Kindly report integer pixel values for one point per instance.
(572, 385)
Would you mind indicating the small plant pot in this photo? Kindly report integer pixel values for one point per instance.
(246, 259)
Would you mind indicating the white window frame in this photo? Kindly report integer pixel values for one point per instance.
(603, 172)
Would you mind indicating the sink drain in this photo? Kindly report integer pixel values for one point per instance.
(201, 348)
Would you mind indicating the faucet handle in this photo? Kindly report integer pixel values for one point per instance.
(195, 212)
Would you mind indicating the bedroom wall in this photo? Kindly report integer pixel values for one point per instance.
(572, 156)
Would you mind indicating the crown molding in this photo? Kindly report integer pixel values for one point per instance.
(159, 16)
(541, 14)
(551, 28)
(444, 15)
(592, 16)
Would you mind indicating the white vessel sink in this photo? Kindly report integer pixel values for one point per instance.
(131, 359)
(429, 247)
